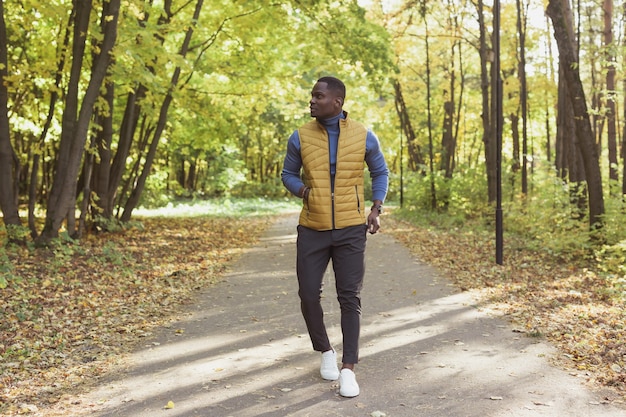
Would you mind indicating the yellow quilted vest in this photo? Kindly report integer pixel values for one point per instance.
(324, 209)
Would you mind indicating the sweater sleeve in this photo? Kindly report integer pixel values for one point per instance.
(292, 165)
(377, 167)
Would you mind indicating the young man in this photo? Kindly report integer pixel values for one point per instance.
(330, 152)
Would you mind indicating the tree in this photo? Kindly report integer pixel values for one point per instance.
(133, 200)
(451, 119)
(8, 196)
(486, 78)
(431, 164)
(416, 159)
(521, 30)
(623, 154)
(563, 33)
(609, 52)
(77, 115)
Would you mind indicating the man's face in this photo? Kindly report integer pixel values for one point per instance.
(324, 103)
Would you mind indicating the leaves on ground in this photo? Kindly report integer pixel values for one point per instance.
(577, 309)
(69, 311)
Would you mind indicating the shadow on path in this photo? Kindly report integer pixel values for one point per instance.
(426, 350)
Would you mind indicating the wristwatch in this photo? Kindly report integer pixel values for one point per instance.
(378, 207)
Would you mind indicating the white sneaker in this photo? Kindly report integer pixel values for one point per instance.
(348, 386)
(328, 368)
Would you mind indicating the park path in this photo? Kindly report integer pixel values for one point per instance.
(426, 350)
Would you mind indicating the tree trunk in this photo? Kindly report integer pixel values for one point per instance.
(563, 33)
(431, 151)
(459, 106)
(84, 210)
(75, 129)
(416, 160)
(610, 90)
(103, 208)
(624, 111)
(485, 84)
(515, 165)
(565, 132)
(596, 88)
(96, 170)
(521, 29)
(549, 70)
(575, 171)
(447, 139)
(191, 176)
(54, 97)
(8, 196)
(117, 163)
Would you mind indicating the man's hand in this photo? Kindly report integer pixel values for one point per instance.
(373, 221)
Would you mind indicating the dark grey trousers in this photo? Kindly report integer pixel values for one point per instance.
(346, 249)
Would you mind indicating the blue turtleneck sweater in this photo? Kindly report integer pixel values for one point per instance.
(374, 159)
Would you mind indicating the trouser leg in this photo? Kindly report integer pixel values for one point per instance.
(348, 258)
(313, 255)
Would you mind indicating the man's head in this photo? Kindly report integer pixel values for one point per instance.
(327, 98)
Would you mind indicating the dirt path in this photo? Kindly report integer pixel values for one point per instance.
(426, 350)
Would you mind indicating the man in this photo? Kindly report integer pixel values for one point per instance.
(330, 151)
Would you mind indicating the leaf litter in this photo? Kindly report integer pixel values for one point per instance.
(577, 309)
(71, 311)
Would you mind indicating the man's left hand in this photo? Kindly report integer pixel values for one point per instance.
(373, 221)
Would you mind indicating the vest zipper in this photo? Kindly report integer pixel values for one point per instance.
(358, 200)
(332, 206)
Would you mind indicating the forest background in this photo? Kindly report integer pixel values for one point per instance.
(110, 107)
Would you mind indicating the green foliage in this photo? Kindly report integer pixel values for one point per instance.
(110, 225)
(63, 249)
(462, 197)
(546, 224)
(17, 233)
(156, 191)
(612, 259)
(468, 192)
(611, 255)
(545, 221)
(270, 189)
(6, 270)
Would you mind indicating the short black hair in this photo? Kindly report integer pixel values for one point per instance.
(335, 84)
